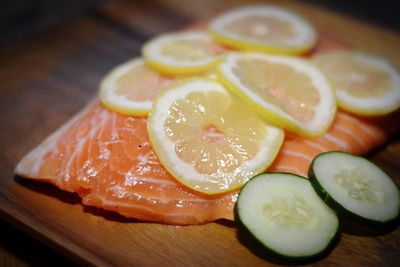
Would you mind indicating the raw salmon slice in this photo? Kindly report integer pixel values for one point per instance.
(348, 133)
(106, 158)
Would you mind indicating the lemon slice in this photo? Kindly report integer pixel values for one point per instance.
(263, 28)
(207, 139)
(182, 53)
(364, 84)
(131, 87)
(289, 92)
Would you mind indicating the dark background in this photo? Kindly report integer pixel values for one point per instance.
(22, 19)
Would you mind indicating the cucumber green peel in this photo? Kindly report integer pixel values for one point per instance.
(282, 213)
(356, 188)
(293, 218)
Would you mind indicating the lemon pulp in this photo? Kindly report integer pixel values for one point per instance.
(364, 84)
(289, 92)
(131, 87)
(209, 140)
(264, 28)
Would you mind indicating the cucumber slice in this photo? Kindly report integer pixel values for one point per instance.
(356, 188)
(284, 214)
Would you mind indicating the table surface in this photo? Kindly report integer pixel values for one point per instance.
(49, 77)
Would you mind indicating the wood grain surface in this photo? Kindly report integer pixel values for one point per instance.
(48, 78)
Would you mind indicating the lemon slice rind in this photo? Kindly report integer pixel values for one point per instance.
(154, 56)
(117, 102)
(367, 106)
(305, 33)
(324, 111)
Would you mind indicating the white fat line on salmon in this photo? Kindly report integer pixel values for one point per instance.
(315, 144)
(36, 156)
(377, 135)
(350, 134)
(285, 168)
(342, 144)
(114, 133)
(100, 128)
(142, 160)
(77, 151)
(34, 159)
(112, 142)
(92, 124)
(296, 154)
(348, 118)
(126, 149)
(139, 158)
(64, 175)
(140, 210)
(145, 159)
(72, 158)
(368, 129)
(127, 125)
(126, 204)
(189, 198)
(132, 180)
(131, 130)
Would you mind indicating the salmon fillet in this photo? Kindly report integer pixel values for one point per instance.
(348, 133)
(107, 159)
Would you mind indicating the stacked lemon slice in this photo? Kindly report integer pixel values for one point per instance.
(264, 28)
(213, 134)
(289, 92)
(365, 84)
(208, 139)
(131, 87)
(182, 53)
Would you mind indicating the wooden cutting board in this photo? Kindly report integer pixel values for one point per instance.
(47, 79)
